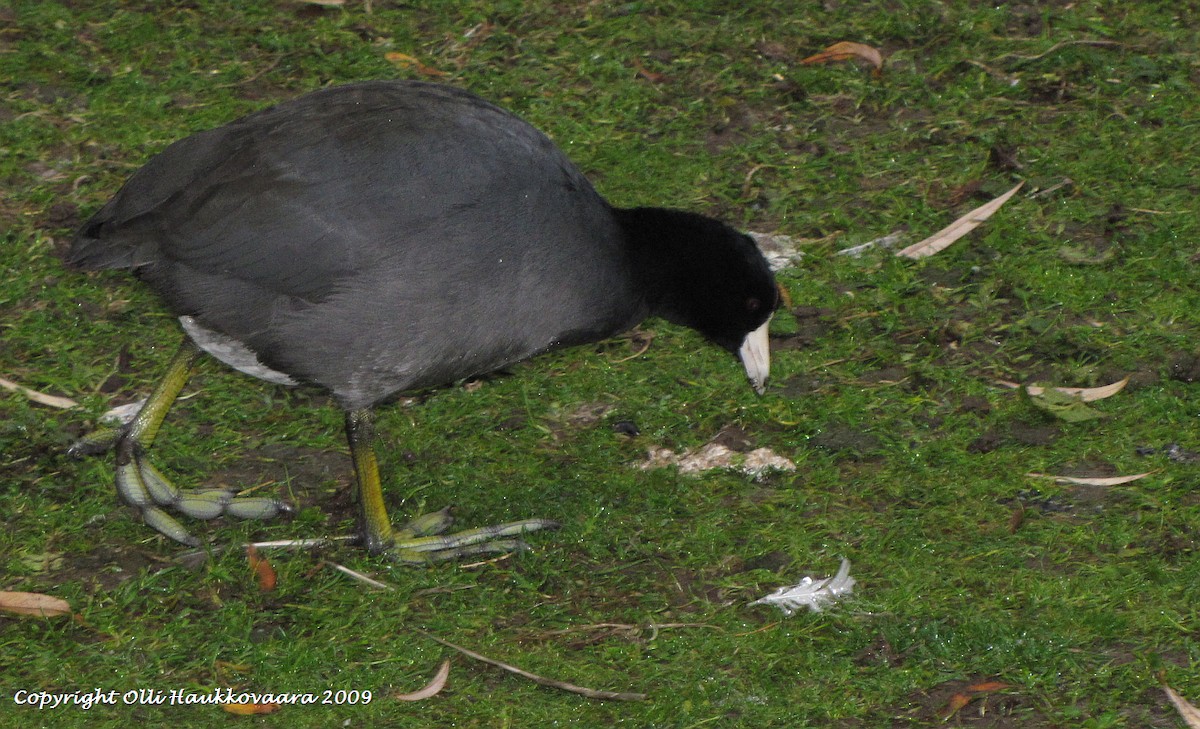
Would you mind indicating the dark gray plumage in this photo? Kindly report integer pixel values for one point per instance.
(394, 235)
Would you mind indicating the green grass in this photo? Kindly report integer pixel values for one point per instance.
(911, 461)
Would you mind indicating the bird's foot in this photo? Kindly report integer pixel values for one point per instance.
(424, 540)
(145, 488)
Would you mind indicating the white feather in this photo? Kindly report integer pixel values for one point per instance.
(810, 593)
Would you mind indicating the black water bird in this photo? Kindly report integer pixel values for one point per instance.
(388, 236)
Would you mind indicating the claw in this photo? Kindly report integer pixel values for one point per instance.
(94, 443)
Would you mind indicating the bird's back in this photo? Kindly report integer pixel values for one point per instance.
(373, 238)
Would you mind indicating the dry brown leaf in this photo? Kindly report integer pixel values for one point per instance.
(1016, 520)
(956, 702)
(250, 709)
(406, 61)
(651, 76)
(590, 693)
(1092, 481)
(988, 687)
(1086, 394)
(262, 569)
(432, 688)
(40, 398)
(33, 603)
(845, 51)
(1190, 714)
(944, 237)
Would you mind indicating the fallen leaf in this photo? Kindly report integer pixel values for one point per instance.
(651, 76)
(250, 709)
(1190, 714)
(956, 702)
(988, 687)
(1086, 394)
(262, 569)
(33, 603)
(41, 398)
(1091, 481)
(944, 237)
(430, 689)
(1063, 405)
(404, 60)
(969, 694)
(1017, 519)
(590, 693)
(845, 51)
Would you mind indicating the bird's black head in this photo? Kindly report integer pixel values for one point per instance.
(703, 274)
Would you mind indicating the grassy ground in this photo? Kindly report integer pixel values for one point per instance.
(911, 461)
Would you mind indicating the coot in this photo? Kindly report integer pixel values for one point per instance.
(386, 236)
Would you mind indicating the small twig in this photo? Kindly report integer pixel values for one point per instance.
(639, 353)
(768, 626)
(589, 693)
(630, 628)
(1064, 182)
(482, 562)
(1057, 46)
(360, 576)
(278, 543)
(749, 178)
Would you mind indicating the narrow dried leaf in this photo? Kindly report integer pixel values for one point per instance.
(944, 237)
(432, 688)
(956, 702)
(988, 687)
(845, 51)
(250, 709)
(590, 693)
(262, 569)
(1086, 394)
(40, 398)
(1089, 481)
(651, 76)
(1190, 714)
(33, 603)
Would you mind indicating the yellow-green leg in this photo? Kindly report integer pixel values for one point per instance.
(423, 539)
(143, 486)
